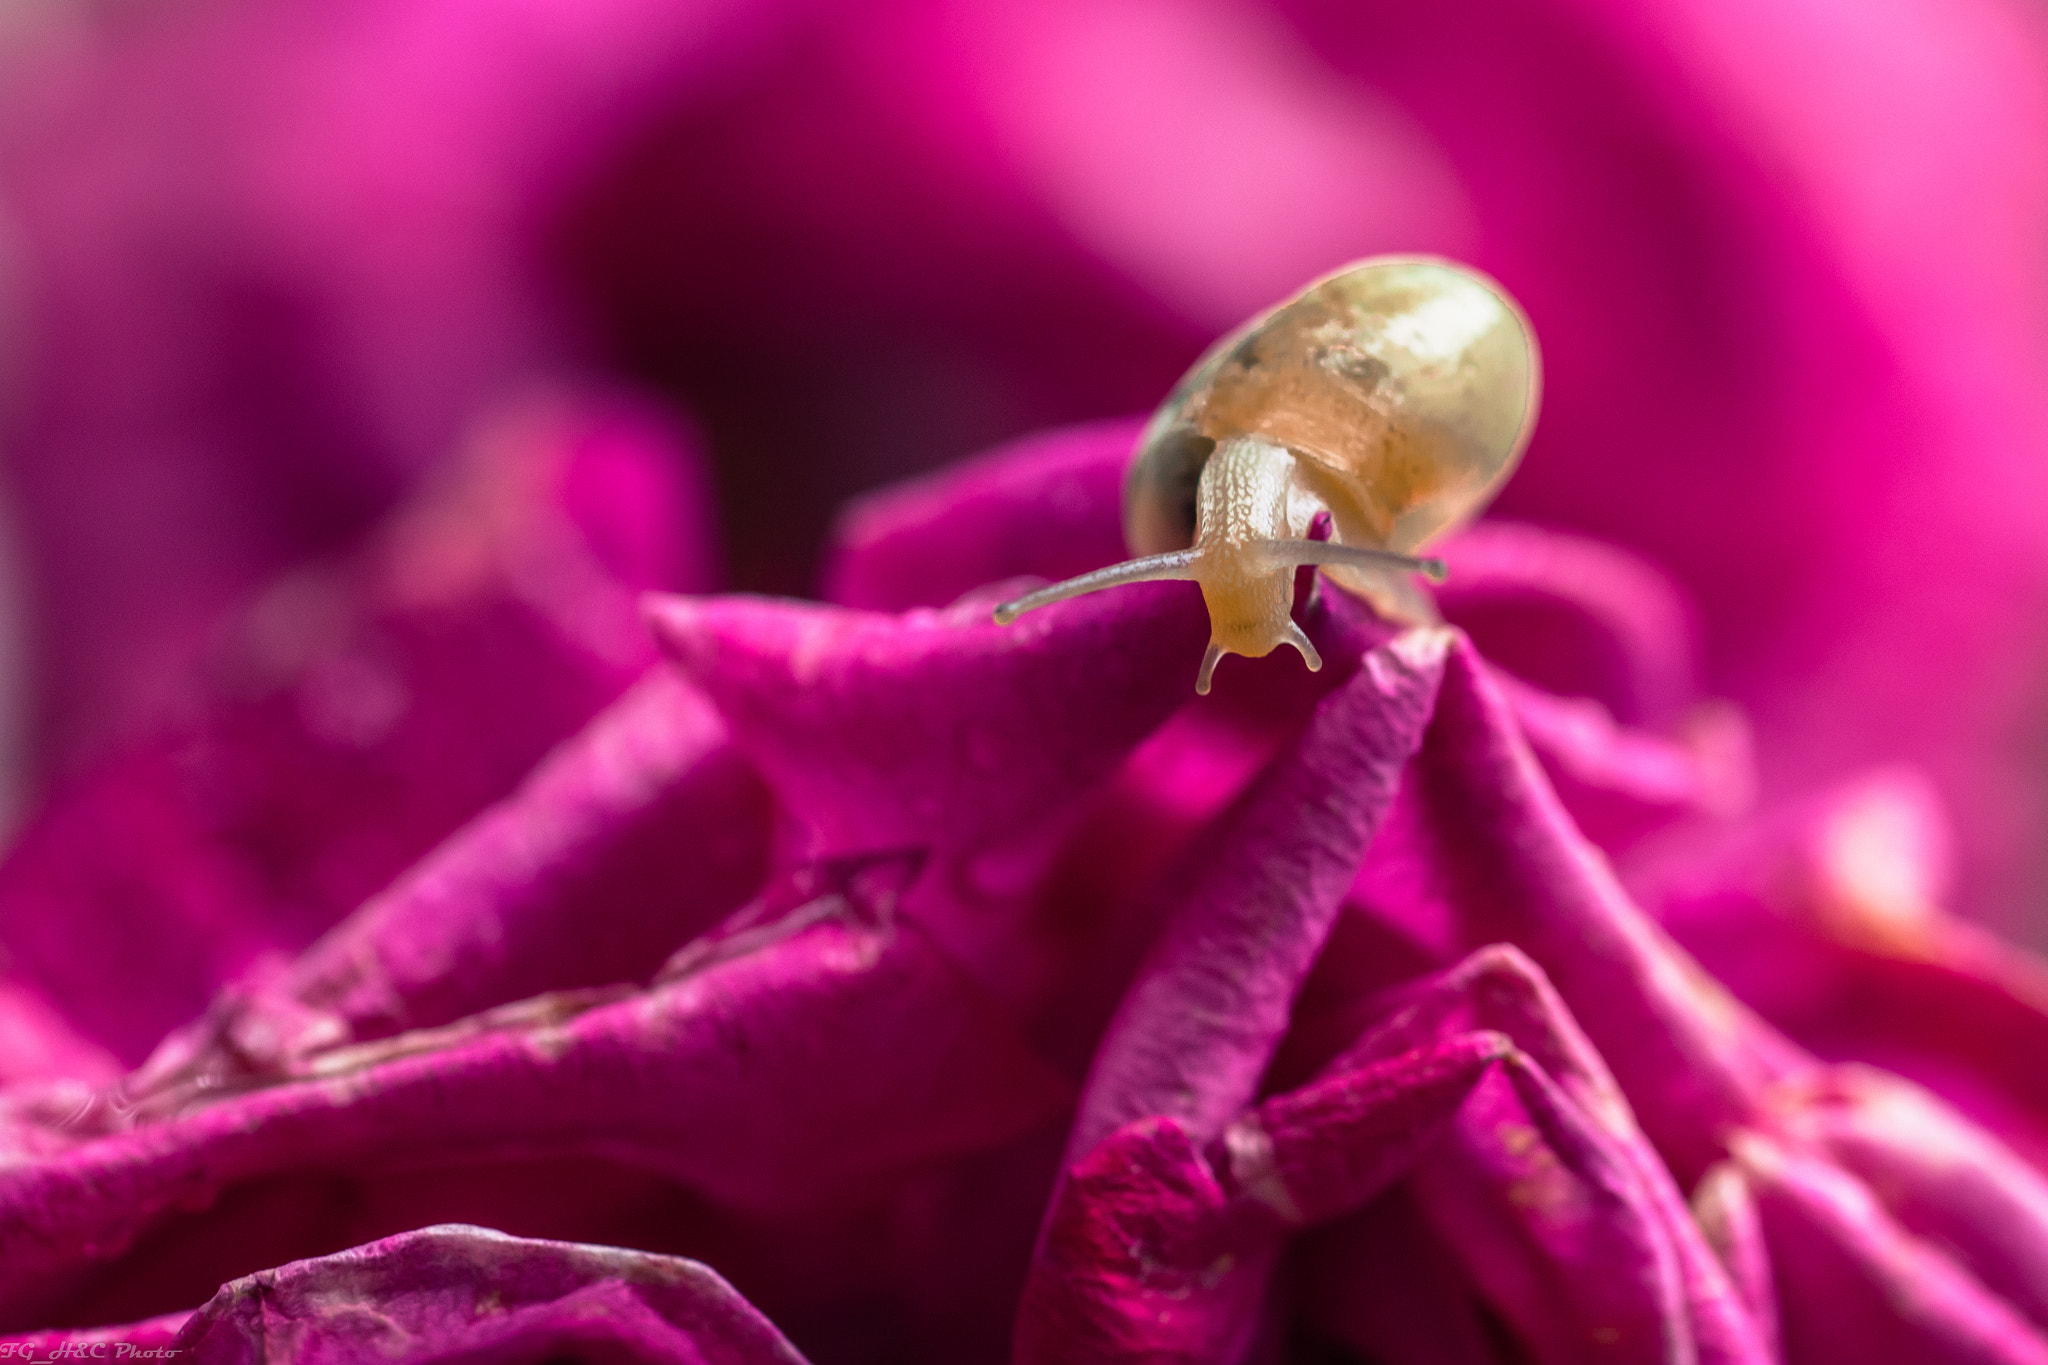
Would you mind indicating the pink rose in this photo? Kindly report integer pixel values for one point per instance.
(445, 932)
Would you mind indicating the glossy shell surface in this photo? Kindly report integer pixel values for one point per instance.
(1406, 387)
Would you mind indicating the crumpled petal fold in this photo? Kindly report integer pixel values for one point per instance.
(454, 1293)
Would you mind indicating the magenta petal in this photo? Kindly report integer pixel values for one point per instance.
(1152, 1248)
(1577, 617)
(1484, 849)
(1853, 1285)
(357, 713)
(1552, 1221)
(1140, 1260)
(247, 358)
(1558, 1210)
(1827, 918)
(36, 1044)
(1621, 784)
(1497, 988)
(1199, 1027)
(767, 1080)
(936, 728)
(465, 1294)
(1046, 506)
(1320, 1152)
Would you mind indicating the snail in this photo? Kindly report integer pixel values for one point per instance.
(1391, 397)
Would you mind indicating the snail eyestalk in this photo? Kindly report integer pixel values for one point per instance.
(1151, 569)
(1293, 553)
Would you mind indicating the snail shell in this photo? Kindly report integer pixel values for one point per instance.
(1393, 396)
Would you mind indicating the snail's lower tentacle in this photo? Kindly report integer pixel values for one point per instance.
(1297, 637)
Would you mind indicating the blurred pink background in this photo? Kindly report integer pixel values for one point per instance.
(264, 268)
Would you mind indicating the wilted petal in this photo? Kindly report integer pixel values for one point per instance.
(153, 1334)
(1854, 1285)
(1005, 752)
(1553, 1224)
(1545, 1193)
(1207, 1012)
(1139, 1258)
(1499, 989)
(1320, 1152)
(635, 835)
(775, 1073)
(936, 727)
(1496, 988)
(1120, 859)
(1158, 1247)
(454, 1293)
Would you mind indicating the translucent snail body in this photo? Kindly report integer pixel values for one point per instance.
(1393, 396)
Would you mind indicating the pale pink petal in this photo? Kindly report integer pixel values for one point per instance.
(1726, 1212)
(1854, 1285)
(1942, 1177)
(1828, 917)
